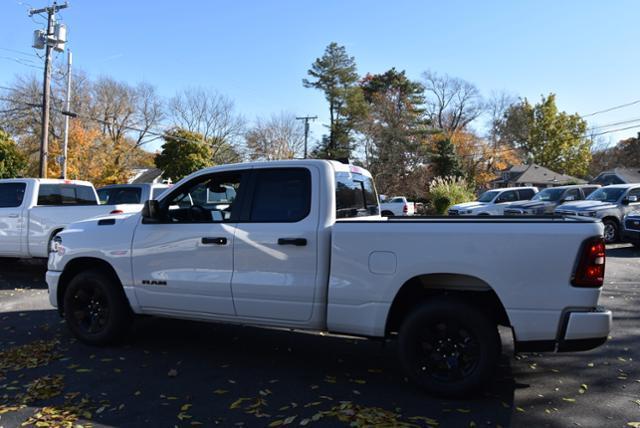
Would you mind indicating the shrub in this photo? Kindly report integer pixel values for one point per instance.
(447, 191)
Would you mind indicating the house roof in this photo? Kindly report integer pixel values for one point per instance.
(539, 174)
(629, 175)
(536, 174)
(146, 175)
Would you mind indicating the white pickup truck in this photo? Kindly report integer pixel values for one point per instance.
(494, 202)
(397, 206)
(32, 210)
(301, 245)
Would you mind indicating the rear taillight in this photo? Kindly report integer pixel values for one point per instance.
(116, 212)
(590, 270)
(405, 208)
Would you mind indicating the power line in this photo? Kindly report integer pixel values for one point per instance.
(21, 62)
(30, 54)
(616, 130)
(608, 125)
(612, 108)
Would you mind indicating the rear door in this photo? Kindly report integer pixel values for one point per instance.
(11, 221)
(275, 246)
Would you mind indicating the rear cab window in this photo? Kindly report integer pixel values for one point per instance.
(12, 194)
(525, 194)
(65, 194)
(120, 195)
(355, 195)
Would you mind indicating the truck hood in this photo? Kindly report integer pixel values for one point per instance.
(105, 237)
(587, 206)
(468, 205)
(98, 223)
(528, 205)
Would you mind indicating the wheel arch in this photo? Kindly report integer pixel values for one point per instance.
(613, 218)
(81, 264)
(420, 288)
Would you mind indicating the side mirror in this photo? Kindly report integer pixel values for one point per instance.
(569, 198)
(151, 211)
(631, 199)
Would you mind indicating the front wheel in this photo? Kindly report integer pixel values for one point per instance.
(449, 348)
(95, 308)
(610, 231)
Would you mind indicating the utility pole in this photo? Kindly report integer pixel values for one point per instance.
(306, 130)
(67, 107)
(51, 40)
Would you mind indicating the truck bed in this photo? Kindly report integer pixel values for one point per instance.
(523, 260)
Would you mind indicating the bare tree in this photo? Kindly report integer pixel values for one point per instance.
(126, 111)
(206, 112)
(496, 107)
(279, 137)
(452, 103)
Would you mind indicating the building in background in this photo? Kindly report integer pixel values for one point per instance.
(146, 175)
(533, 175)
(618, 176)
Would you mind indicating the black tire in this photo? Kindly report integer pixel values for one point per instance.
(95, 308)
(387, 214)
(449, 348)
(611, 231)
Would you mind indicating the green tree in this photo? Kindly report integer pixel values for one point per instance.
(183, 152)
(445, 160)
(394, 129)
(548, 137)
(336, 75)
(12, 161)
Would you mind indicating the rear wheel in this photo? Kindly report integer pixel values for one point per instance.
(386, 214)
(449, 348)
(96, 309)
(610, 231)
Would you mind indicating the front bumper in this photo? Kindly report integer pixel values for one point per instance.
(53, 278)
(579, 331)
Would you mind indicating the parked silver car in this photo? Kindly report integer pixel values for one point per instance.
(609, 203)
(545, 201)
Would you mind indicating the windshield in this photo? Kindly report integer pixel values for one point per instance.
(548, 195)
(605, 194)
(488, 196)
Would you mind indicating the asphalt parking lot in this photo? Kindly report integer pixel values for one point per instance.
(177, 373)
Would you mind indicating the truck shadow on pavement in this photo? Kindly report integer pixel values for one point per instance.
(184, 373)
(623, 251)
(25, 273)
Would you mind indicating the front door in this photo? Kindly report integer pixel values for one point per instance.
(275, 247)
(11, 221)
(184, 262)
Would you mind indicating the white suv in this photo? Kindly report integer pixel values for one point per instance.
(493, 202)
